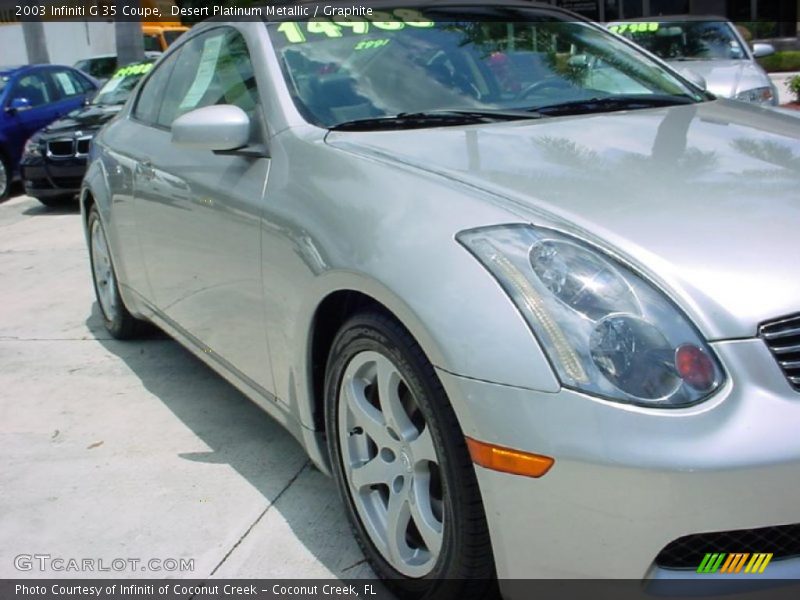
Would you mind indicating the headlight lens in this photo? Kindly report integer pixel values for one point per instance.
(761, 95)
(606, 330)
(32, 148)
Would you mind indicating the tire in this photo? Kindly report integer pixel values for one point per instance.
(414, 465)
(117, 320)
(5, 178)
(55, 201)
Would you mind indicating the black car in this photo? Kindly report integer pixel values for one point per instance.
(54, 160)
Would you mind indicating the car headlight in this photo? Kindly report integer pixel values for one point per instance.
(32, 148)
(606, 330)
(760, 95)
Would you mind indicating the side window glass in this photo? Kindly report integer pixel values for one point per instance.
(215, 69)
(67, 85)
(149, 101)
(34, 88)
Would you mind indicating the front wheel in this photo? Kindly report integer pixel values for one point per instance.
(402, 466)
(116, 318)
(5, 178)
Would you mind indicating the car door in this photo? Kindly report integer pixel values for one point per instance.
(71, 89)
(36, 92)
(199, 213)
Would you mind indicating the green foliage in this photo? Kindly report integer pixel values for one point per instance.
(788, 60)
(794, 86)
(760, 29)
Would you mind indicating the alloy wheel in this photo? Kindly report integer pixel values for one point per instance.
(103, 272)
(390, 464)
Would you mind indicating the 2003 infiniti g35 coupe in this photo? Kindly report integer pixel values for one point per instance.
(527, 294)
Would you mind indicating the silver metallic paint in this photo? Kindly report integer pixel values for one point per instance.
(234, 255)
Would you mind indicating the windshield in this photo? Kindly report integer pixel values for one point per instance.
(427, 60)
(119, 87)
(689, 40)
(3, 82)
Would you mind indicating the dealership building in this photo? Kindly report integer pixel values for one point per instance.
(782, 16)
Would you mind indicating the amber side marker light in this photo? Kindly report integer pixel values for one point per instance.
(507, 460)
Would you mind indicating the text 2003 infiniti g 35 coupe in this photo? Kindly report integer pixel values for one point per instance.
(527, 294)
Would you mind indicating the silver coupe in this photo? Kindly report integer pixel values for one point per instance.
(528, 294)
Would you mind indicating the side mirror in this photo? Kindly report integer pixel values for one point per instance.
(579, 61)
(216, 128)
(19, 104)
(762, 50)
(695, 78)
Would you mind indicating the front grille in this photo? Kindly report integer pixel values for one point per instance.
(61, 148)
(783, 339)
(83, 145)
(688, 552)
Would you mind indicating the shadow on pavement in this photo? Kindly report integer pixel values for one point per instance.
(40, 210)
(238, 433)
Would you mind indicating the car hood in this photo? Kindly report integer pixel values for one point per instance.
(702, 198)
(726, 78)
(87, 119)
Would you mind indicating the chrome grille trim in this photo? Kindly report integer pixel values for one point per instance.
(782, 336)
(61, 148)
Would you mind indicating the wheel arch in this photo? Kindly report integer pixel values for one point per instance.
(330, 314)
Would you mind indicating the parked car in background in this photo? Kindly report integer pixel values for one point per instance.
(54, 159)
(30, 98)
(709, 47)
(521, 288)
(102, 67)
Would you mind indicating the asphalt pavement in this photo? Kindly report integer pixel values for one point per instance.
(136, 450)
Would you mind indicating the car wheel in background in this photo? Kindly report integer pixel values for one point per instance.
(402, 466)
(5, 178)
(116, 318)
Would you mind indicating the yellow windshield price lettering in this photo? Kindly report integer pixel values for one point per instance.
(636, 27)
(396, 20)
(133, 70)
(324, 27)
(359, 26)
(384, 20)
(370, 44)
(293, 33)
(413, 18)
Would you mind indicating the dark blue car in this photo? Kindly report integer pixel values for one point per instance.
(30, 98)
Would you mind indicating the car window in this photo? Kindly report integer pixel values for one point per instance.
(214, 68)
(684, 40)
(151, 42)
(152, 93)
(436, 61)
(68, 84)
(33, 87)
(102, 68)
(117, 89)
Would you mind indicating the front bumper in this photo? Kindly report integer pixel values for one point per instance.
(44, 177)
(627, 481)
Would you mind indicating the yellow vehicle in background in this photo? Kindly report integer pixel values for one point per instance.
(159, 33)
(158, 37)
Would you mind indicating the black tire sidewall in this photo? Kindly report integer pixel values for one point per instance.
(122, 325)
(9, 177)
(375, 332)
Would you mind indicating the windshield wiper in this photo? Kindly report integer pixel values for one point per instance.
(434, 118)
(612, 103)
